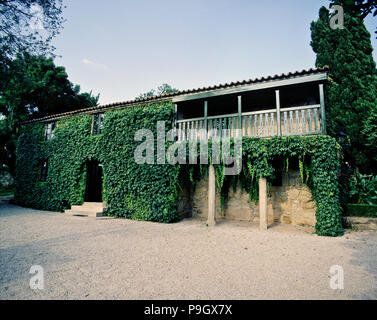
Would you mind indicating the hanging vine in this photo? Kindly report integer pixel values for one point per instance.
(318, 161)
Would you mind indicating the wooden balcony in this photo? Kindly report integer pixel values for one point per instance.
(290, 121)
(305, 120)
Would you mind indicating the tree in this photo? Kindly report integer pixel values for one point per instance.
(352, 90)
(35, 87)
(364, 7)
(162, 89)
(29, 25)
(7, 147)
(370, 133)
(166, 89)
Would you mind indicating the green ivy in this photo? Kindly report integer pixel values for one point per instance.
(319, 164)
(150, 192)
(143, 192)
(319, 158)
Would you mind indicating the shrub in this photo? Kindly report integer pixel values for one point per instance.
(361, 210)
(6, 191)
(363, 189)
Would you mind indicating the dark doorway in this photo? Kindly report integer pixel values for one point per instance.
(93, 190)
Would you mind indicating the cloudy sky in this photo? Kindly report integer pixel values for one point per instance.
(121, 48)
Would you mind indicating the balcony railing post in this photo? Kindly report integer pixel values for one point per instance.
(175, 125)
(278, 119)
(206, 118)
(323, 111)
(298, 120)
(240, 114)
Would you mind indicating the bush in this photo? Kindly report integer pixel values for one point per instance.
(361, 210)
(6, 191)
(363, 189)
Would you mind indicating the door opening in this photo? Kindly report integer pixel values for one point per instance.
(93, 190)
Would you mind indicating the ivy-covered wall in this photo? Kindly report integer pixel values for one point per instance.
(150, 192)
(318, 159)
(144, 192)
(319, 164)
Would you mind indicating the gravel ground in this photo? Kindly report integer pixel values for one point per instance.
(89, 258)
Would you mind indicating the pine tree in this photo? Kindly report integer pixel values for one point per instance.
(351, 95)
(35, 87)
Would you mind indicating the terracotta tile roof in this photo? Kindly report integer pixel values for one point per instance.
(169, 96)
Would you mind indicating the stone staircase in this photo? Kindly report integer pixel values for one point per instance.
(360, 223)
(89, 209)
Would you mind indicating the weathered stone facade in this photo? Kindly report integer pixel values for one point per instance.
(289, 204)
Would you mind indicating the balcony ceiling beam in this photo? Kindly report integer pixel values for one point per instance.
(251, 87)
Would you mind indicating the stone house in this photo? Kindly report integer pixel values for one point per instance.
(290, 104)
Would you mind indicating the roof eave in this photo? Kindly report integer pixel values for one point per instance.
(252, 87)
(311, 75)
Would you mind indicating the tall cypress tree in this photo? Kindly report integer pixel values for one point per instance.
(352, 90)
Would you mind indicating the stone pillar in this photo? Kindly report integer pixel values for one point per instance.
(263, 218)
(211, 196)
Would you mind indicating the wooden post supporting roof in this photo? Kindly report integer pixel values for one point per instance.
(240, 114)
(278, 119)
(211, 221)
(175, 122)
(263, 218)
(323, 111)
(206, 118)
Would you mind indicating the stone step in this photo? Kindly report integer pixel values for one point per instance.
(361, 223)
(83, 212)
(89, 209)
(92, 204)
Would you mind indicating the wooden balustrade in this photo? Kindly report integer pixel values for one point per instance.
(305, 120)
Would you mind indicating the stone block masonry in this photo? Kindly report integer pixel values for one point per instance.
(290, 203)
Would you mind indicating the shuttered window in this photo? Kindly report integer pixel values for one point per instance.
(97, 125)
(49, 131)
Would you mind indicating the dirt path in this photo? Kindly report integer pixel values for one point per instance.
(87, 258)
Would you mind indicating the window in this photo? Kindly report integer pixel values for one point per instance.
(44, 171)
(49, 132)
(97, 125)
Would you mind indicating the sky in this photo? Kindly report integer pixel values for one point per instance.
(121, 48)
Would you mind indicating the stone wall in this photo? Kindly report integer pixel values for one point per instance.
(289, 204)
